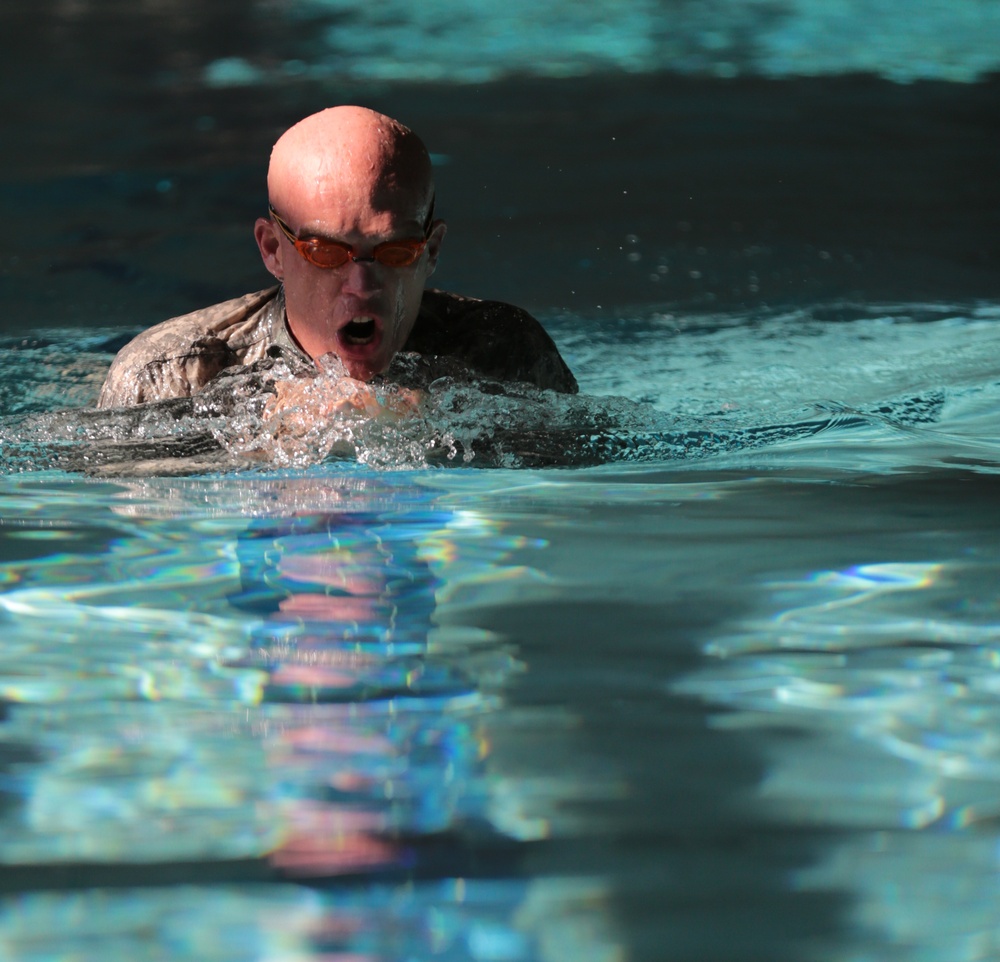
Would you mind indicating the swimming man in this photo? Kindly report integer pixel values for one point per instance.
(352, 238)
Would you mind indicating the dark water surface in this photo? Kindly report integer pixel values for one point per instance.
(726, 689)
(131, 184)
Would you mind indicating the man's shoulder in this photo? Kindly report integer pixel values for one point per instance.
(216, 321)
(176, 357)
(498, 339)
(449, 307)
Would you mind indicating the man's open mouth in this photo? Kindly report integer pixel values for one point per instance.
(359, 331)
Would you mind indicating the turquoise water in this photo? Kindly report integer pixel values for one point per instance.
(737, 702)
(725, 38)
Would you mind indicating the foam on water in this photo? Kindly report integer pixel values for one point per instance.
(920, 380)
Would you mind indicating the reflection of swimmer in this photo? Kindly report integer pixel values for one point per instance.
(363, 742)
(352, 238)
(336, 593)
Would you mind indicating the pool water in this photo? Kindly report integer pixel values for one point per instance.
(701, 664)
(735, 701)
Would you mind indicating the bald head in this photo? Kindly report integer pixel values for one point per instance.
(350, 158)
(351, 178)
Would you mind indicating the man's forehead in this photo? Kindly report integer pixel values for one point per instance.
(350, 187)
(345, 205)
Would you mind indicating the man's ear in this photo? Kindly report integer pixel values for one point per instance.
(438, 230)
(266, 235)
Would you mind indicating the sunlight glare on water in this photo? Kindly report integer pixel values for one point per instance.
(872, 690)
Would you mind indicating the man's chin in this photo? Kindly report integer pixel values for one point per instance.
(362, 366)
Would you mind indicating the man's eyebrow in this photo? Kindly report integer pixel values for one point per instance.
(403, 233)
(305, 232)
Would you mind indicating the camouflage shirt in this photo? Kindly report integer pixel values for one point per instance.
(179, 357)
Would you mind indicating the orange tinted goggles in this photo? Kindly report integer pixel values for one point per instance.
(330, 253)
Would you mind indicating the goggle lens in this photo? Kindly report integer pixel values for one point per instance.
(398, 253)
(330, 253)
(322, 254)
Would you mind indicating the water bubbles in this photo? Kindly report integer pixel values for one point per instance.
(434, 412)
(632, 256)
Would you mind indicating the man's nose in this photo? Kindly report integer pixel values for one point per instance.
(360, 274)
